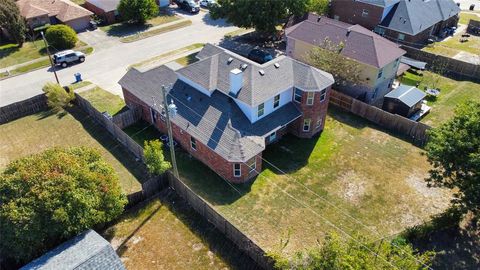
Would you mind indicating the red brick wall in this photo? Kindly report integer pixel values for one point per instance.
(203, 153)
(350, 11)
(315, 112)
(109, 17)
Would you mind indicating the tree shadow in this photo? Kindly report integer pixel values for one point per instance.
(101, 135)
(127, 29)
(207, 19)
(8, 49)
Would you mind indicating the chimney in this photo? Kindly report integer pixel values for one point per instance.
(236, 81)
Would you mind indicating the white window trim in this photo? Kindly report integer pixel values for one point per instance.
(323, 95)
(365, 13)
(278, 104)
(319, 123)
(295, 95)
(262, 110)
(235, 170)
(253, 166)
(153, 115)
(401, 35)
(310, 99)
(274, 135)
(309, 125)
(193, 142)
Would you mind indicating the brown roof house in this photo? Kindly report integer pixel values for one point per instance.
(40, 12)
(378, 57)
(230, 108)
(105, 9)
(411, 22)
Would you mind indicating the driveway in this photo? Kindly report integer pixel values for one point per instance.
(109, 62)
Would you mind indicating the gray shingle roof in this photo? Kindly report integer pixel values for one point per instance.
(407, 94)
(105, 5)
(86, 251)
(414, 16)
(213, 70)
(382, 3)
(215, 121)
(360, 44)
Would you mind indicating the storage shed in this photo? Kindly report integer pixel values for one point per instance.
(404, 100)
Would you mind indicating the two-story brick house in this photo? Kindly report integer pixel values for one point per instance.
(230, 108)
(378, 57)
(411, 22)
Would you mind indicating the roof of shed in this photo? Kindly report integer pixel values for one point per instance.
(409, 95)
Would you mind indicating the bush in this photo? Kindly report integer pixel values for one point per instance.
(57, 97)
(137, 11)
(52, 196)
(61, 37)
(154, 158)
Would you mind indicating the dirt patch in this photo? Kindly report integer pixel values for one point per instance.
(434, 196)
(352, 187)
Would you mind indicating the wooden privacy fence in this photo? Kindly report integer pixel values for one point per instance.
(111, 127)
(23, 108)
(449, 65)
(416, 131)
(127, 118)
(223, 225)
(149, 188)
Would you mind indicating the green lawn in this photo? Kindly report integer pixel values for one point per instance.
(125, 29)
(375, 177)
(78, 2)
(75, 86)
(453, 46)
(104, 101)
(11, 54)
(167, 234)
(451, 93)
(161, 57)
(466, 17)
(38, 132)
(187, 60)
(154, 32)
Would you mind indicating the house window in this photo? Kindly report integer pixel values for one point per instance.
(306, 125)
(298, 96)
(252, 165)
(310, 97)
(401, 36)
(276, 101)
(272, 137)
(364, 13)
(261, 109)
(379, 30)
(380, 73)
(193, 143)
(375, 93)
(153, 114)
(237, 171)
(323, 95)
(319, 123)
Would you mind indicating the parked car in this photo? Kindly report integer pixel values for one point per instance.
(189, 5)
(64, 58)
(207, 3)
(259, 56)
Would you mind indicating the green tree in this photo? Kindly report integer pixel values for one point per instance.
(156, 163)
(52, 196)
(61, 37)
(321, 7)
(453, 150)
(137, 11)
(57, 97)
(12, 21)
(338, 254)
(263, 15)
(327, 56)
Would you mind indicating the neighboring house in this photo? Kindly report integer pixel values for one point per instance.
(230, 108)
(86, 251)
(40, 12)
(105, 9)
(405, 100)
(411, 22)
(377, 56)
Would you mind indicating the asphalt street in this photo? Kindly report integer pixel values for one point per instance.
(111, 58)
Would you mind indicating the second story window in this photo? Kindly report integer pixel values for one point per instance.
(276, 101)
(252, 165)
(306, 125)
(380, 73)
(261, 109)
(298, 96)
(364, 13)
(401, 36)
(310, 98)
(323, 95)
(193, 143)
(237, 171)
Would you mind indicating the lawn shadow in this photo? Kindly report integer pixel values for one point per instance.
(127, 29)
(8, 49)
(101, 135)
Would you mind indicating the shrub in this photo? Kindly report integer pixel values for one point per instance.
(61, 37)
(154, 158)
(137, 11)
(52, 196)
(57, 97)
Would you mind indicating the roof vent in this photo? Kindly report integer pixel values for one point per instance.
(277, 65)
(189, 98)
(244, 66)
(262, 72)
(348, 32)
(230, 60)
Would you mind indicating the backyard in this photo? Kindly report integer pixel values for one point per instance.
(38, 132)
(452, 93)
(167, 234)
(368, 174)
(104, 101)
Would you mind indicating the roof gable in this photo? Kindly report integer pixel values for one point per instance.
(63, 10)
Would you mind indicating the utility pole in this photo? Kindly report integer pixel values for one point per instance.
(170, 109)
(50, 57)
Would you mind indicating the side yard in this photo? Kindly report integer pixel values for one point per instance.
(452, 93)
(372, 176)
